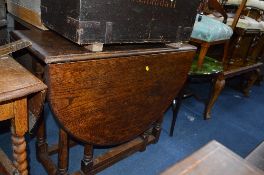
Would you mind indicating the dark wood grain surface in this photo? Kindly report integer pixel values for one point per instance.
(113, 96)
(109, 101)
(52, 48)
(15, 81)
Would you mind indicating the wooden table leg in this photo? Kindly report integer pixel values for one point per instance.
(87, 161)
(175, 109)
(218, 85)
(145, 137)
(19, 126)
(63, 156)
(157, 129)
(42, 146)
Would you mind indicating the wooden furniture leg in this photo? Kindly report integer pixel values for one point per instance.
(218, 85)
(42, 151)
(203, 51)
(63, 155)
(253, 77)
(176, 104)
(41, 144)
(87, 161)
(145, 137)
(157, 130)
(19, 127)
(226, 48)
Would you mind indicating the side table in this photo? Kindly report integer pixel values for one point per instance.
(16, 83)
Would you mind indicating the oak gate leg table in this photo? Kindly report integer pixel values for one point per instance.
(16, 84)
(114, 97)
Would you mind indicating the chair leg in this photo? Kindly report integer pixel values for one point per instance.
(226, 47)
(254, 75)
(218, 85)
(203, 52)
(175, 109)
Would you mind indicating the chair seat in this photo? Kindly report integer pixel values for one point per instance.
(245, 23)
(259, 4)
(210, 30)
(210, 66)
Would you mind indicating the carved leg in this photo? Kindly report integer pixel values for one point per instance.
(254, 75)
(19, 126)
(87, 161)
(145, 138)
(19, 152)
(41, 144)
(203, 52)
(218, 85)
(175, 109)
(63, 156)
(157, 130)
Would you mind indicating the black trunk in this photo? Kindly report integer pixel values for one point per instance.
(120, 21)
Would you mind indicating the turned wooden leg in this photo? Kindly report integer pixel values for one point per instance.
(218, 85)
(176, 104)
(87, 161)
(63, 155)
(157, 130)
(203, 52)
(145, 137)
(19, 152)
(41, 143)
(19, 126)
(253, 77)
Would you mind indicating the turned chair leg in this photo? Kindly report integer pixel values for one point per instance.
(175, 109)
(218, 85)
(63, 156)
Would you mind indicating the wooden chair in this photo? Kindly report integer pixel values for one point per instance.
(16, 84)
(217, 76)
(215, 69)
(246, 46)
